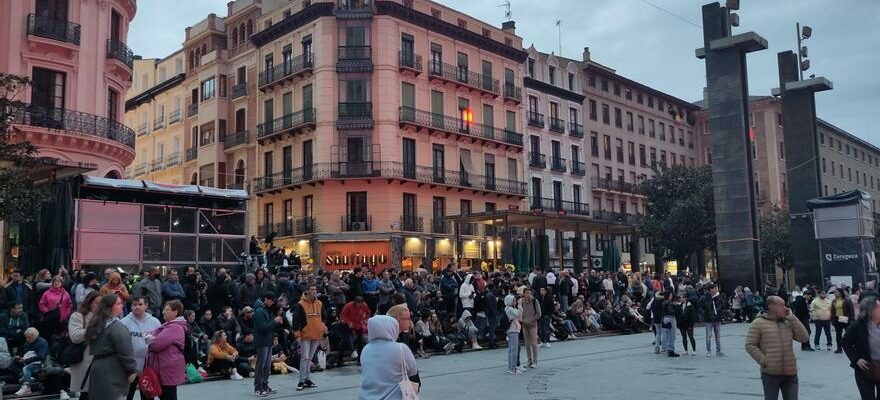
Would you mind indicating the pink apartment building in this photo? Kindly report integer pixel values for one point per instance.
(75, 55)
(378, 119)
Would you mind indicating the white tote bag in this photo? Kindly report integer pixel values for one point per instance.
(409, 390)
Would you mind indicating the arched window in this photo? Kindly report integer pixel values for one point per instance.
(250, 27)
(192, 59)
(239, 173)
(195, 178)
(241, 33)
(112, 175)
(234, 37)
(198, 57)
(204, 49)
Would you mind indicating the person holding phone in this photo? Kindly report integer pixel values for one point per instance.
(769, 342)
(859, 344)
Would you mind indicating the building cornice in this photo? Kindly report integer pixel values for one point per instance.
(601, 70)
(557, 91)
(150, 93)
(426, 21)
(293, 22)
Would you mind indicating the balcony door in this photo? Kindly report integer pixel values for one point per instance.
(47, 98)
(409, 158)
(308, 160)
(536, 192)
(439, 164)
(557, 195)
(55, 9)
(357, 210)
(409, 212)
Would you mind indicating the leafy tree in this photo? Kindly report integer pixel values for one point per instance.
(776, 237)
(19, 197)
(680, 211)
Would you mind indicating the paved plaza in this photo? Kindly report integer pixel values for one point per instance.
(611, 367)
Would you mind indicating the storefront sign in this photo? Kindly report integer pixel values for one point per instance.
(348, 255)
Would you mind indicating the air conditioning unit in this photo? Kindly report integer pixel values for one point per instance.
(358, 226)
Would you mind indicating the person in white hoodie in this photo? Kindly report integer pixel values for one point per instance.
(514, 315)
(467, 293)
(140, 324)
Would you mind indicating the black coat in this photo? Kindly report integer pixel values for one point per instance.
(801, 308)
(710, 313)
(855, 343)
(686, 315)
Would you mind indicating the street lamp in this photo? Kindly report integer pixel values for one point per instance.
(802, 34)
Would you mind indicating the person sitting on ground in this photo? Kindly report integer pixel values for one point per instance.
(279, 358)
(609, 321)
(30, 359)
(355, 315)
(226, 321)
(429, 338)
(400, 311)
(196, 334)
(247, 352)
(576, 315)
(13, 325)
(223, 358)
(562, 326)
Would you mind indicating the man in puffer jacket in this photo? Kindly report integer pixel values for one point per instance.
(769, 343)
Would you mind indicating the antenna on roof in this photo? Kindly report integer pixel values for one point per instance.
(507, 13)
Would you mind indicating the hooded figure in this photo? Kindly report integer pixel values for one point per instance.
(384, 361)
(467, 292)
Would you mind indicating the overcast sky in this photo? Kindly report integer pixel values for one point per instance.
(647, 44)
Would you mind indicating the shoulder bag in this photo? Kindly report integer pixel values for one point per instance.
(409, 390)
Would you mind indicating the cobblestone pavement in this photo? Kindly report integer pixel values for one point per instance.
(611, 367)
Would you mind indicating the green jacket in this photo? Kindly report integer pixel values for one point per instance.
(264, 325)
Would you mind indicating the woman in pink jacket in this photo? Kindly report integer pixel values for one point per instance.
(55, 298)
(166, 350)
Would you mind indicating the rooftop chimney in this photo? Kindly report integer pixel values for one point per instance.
(586, 54)
(509, 27)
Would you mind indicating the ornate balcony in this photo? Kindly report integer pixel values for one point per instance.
(356, 223)
(192, 153)
(291, 124)
(290, 227)
(286, 71)
(74, 122)
(512, 93)
(557, 125)
(387, 169)
(239, 90)
(578, 168)
(411, 223)
(441, 225)
(462, 77)
(172, 160)
(174, 116)
(535, 119)
(355, 115)
(354, 9)
(55, 29)
(576, 130)
(410, 62)
(120, 52)
(558, 205)
(537, 160)
(157, 165)
(354, 59)
(611, 185)
(456, 126)
(140, 169)
(557, 164)
(235, 139)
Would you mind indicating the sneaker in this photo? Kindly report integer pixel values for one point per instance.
(720, 354)
(838, 351)
(673, 354)
(520, 368)
(63, 395)
(693, 354)
(533, 365)
(292, 370)
(354, 354)
(300, 386)
(547, 345)
(251, 375)
(513, 371)
(269, 390)
(828, 347)
(25, 390)
(708, 354)
(685, 353)
(262, 393)
(235, 376)
(448, 348)
(656, 350)
(540, 344)
(476, 346)
(309, 384)
(808, 349)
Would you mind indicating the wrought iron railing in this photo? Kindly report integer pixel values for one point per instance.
(192, 109)
(143, 128)
(469, 229)
(174, 116)
(291, 67)
(157, 164)
(463, 75)
(355, 53)
(410, 61)
(234, 139)
(616, 185)
(192, 153)
(290, 121)
(535, 118)
(239, 89)
(576, 130)
(512, 92)
(72, 122)
(441, 225)
(120, 52)
(140, 169)
(558, 205)
(172, 160)
(557, 125)
(411, 223)
(56, 29)
(557, 164)
(617, 217)
(457, 125)
(578, 168)
(356, 110)
(537, 160)
(387, 169)
(354, 9)
(355, 223)
(159, 122)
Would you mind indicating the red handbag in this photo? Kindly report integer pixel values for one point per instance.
(149, 383)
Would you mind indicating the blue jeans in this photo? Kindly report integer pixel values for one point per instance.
(263, 368)
(544, 329)
(669, 334)
(713, 327)
(30, 370)
(512, 350)
(658, 337)
(308, 349)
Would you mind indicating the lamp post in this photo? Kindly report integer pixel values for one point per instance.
(803, 34)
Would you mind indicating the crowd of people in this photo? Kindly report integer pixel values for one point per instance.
(185, 324)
